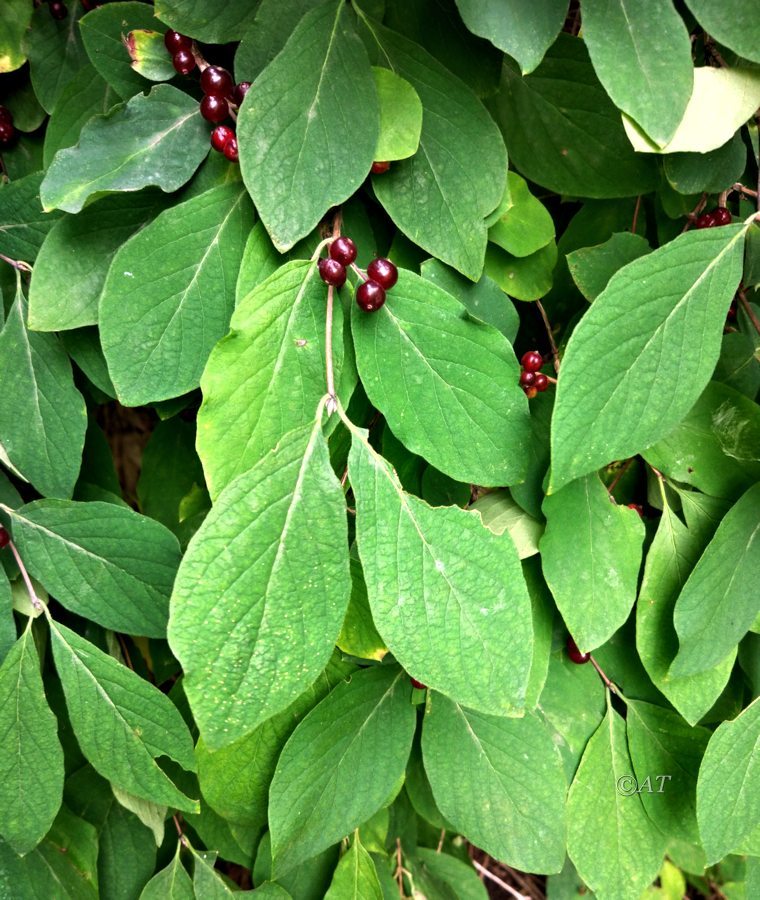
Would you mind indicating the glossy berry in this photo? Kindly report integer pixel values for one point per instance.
(370, 296)
(240, 91)
(343, 249)
(706, 220)
(638, 507)
(174, 41)
(541, 383)
(231, 149)
(721, 216)
(575, 654)
(214, 109)
(379, 168)
(530, 392)
(5, 538)
(183, 62)
(532, 361)
(58, 10)
(332, 272)
(383, 272)
(7, 132)
(220, 136)
(527, 378)
(417, 684)
(216, 82)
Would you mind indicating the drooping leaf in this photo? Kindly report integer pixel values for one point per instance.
(343, 761)
(713, 172)
(438, 578)
(161, 313)
(16, 17)
(430, 370)
(294, 156)
(733, 23)
(122, 722)
(158, 138)
(499, 781)
(500, 513)
(675, 297)
(400, 116)
(592, 267)
(23, 224)
(31, 759)
(55, 51)
(242, 592)
(526, 226)
(355, 877)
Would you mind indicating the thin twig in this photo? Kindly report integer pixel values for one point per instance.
(610, 686)
(331, 396)
(496, 880)
(441, 839)
(636, 214)
(692, 216)
(16, 263)
(748, 309)
(623, 469)
(183, 840)
(360, 272)
(555, 354)
(36, 602)
(399, 874)
(741, 189)
(123, 645)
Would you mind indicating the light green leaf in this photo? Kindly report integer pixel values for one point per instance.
(437, 375)
(500, 513)
(260, 260)
(592, 267)
(721, 102)
(122, 722)
(158, 138)
(147, 51)
(161, 313)
(499, 781)
(526, 226)
(641, 52)
(42, 414)
(524, 278)
(733, 23)
(591, 556)
(55, 52)
(31, 758)
(610, 839)
(713, 172)
(341, 764)
(243, 591)
(400, 116)
(437, 579)
(729, 780)
(675, 297)
(524, 31)
(719, 601)
(438, 198)
(100, 560)
(359, 636)
(23, 224)
(17, 15)
(171, 883)
(193, 17)
(150, 814)
(268, 375)
(294, 156)
(563, 131)
(355, 877)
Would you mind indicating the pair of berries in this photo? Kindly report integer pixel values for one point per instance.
(382, 274)
(532, 381)
(714, 219)
(7, 131)
(220, 92)
(575, 654)
(181, 48)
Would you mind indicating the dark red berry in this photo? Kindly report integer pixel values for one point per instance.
(343, 249)
(332, 272)
(379, 168)
(216, 82)
(6, 115)
(240, 91)
(541, 383)
(721, 215)
(214, 109)
(575, 654)
(383, 272)
(7, 132)
(220, 136)
(5, 538)
(417, 684)
(527, 378)
(174, 41)
(706, 220)
(370, 296)
(231, 149)
(638, 507)
(733, 310)
(532, 361)
(183, 62)
(58, 10)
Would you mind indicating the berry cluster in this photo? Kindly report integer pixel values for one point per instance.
(575, 654)
(532, 381)
(5, 538)
(382, 274)
(7, 131)
(716, 217)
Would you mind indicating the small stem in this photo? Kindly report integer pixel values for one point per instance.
(36, 602)
(623, 469)
(496, 880)
(610, 686)
(125, 651)
(441, 839)
(555, 354)
(741, 189)
(182, 839)
(332, 403)
(692, 216)
(399, 868)
(636, 214)
(748, 309)
(551, 380)
(360, 272)
(18, 264)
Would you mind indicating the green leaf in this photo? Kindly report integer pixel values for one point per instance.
(729, 780)
(526, 278)
(438, 198)
(161, 313)
(526, 226)
(610, 839)
(17, 15)
(563, 131)
(171, 883)
(101, 561)
(42, 414)
(524, 32)
(31, 758)
(267, 31)
(592, 267)
(641, 52)
(227, 23)
(439, 875)
(432, 371)
(341, 764)
(242, 592)
(733, 23)
(147, 51)
(122, 723)
(65, 286)
(158, 138)
(355, 877)
(437, 579)
(294, 156)
(358, 635)
(499, 781)
(55, 52)
(675, 297)
(500, 513)
(671, 557)
(713, 172)
(23, 224)
(591, 556)
(268, 375)
(400, 116)
(719, 601)
(721, 102)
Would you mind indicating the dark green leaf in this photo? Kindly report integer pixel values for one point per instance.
(55, 52)
(16, 17)
(592, 267)
(526, 226)
(193, 17)
(690, 173)
(23, 224)
(733, 23)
